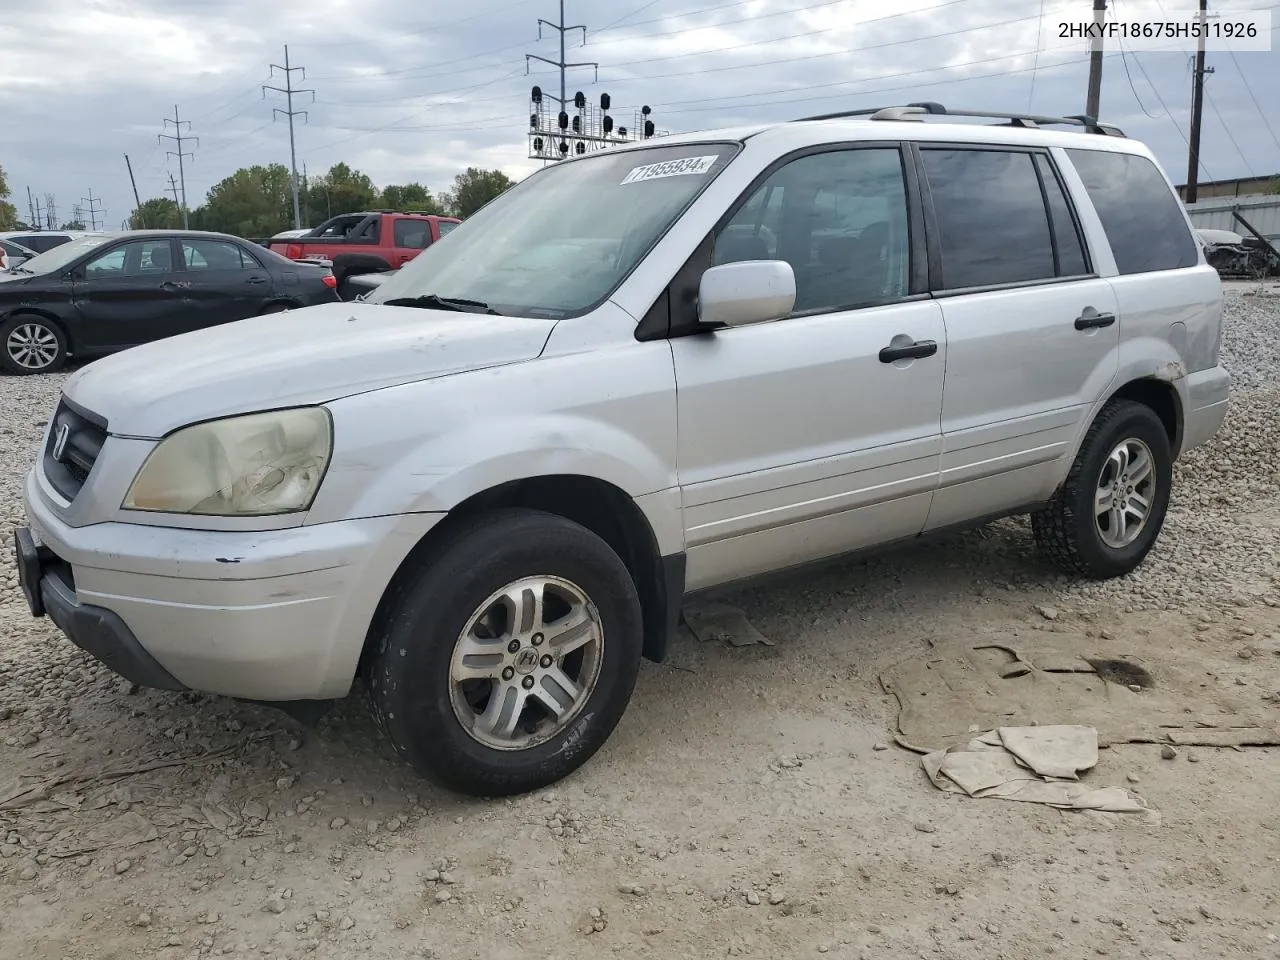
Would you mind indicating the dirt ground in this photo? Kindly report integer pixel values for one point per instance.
(752, 802)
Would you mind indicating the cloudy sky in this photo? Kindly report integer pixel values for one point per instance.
(418, 89)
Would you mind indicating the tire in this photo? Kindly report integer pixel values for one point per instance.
(31, 344)
(275, 308)
(438, 724)
(1087, 541)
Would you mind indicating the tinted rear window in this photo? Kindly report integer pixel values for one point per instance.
(1140, 213)
(991, 218)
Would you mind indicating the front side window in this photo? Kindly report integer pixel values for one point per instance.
(135, 259)
(839, 218)
(560, 242)
(1140, 213)
(991, 221)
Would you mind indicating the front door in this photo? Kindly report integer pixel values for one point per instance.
(806, 438)
(225, 283)
(129, 293)
(1031, 334)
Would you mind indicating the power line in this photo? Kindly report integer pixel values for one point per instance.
(289, 91)
(1227, 130)
(741, 66)
(178, 139)
(1249, 87)
(1036, 64)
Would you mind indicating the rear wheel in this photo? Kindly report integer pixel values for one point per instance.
(1109, 513)
(31, 344)
(507, 663)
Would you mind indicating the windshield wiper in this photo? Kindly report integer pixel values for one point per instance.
(432, 302)
(21, 269)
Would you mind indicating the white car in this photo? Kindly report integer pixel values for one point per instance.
(14, 255)
(487, 488)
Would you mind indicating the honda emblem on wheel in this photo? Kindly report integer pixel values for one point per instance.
(60, 441)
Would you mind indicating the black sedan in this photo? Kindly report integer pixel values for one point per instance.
(107, 292)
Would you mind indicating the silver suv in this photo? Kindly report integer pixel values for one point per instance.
(642, 373)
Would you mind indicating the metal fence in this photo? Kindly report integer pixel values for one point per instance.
(1216, 214)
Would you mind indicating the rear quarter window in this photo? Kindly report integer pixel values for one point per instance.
(1140, 213)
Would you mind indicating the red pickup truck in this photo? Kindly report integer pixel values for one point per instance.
(377, 240)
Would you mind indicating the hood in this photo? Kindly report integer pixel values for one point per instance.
(299, 357)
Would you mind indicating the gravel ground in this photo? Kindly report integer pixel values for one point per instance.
(747, 805)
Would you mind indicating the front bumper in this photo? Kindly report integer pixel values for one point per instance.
(96, 630)
(265, 615)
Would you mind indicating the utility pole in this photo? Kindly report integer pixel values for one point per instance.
(560, 64)
(134, 183)
(93, 212)
(50, 212)
(34, 209)
(290, 91)
(173, 188)
(1197, 111)
(178, 139)
(1092, 104)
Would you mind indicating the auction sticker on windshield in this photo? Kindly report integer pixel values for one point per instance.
(670, 168)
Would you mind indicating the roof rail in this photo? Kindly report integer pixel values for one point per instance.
(918, 111)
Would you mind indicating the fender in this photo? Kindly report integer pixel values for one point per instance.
(1141, 358)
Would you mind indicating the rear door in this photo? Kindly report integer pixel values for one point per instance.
(1032, 331)
(130, 293)
(225, 283)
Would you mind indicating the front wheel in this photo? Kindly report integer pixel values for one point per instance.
(509, 660)
(1107, 516)
(31, 344)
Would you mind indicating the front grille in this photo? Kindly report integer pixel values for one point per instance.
(85, 433)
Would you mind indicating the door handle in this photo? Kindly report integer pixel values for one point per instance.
(909, 351)
(1090, 321)
(257, 280)
(174, 285)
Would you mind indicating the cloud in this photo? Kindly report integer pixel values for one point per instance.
(406, 93)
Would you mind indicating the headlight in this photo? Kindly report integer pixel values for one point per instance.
(256, 465)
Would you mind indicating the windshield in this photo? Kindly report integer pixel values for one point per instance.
(559, 243)
(56, 259)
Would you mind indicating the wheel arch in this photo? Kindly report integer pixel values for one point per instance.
(1162, 397)
(599, 506)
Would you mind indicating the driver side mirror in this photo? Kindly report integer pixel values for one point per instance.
(750, 291)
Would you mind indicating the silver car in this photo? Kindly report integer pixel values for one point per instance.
(487, 487)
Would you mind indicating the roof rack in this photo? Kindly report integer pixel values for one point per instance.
(917, 111)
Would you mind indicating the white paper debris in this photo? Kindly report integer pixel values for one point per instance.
(1030, 764)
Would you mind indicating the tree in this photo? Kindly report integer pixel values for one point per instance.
(158, 213)
(72, 225)
(253, 202)
(473, 188)
(349, 191)
(411, 196)
(8, 212)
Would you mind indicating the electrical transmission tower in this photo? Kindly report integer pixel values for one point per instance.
(179, 139)
(290, 92)
(50, 212)
(91, 200)
(588, 127)
(560, 64)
